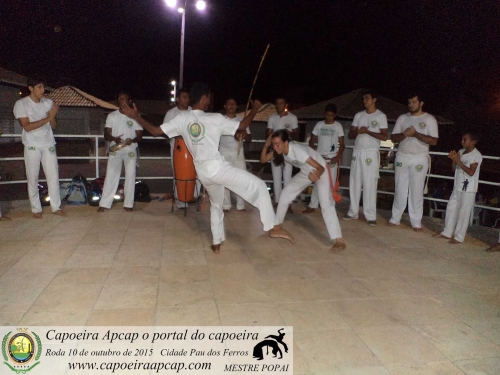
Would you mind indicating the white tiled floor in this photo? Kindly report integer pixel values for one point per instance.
(394, 302)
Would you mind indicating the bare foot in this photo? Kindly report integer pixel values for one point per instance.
(494, 248)
(389, 224)
(38, 215)
(339, 245)
(225, 210)
(279, 232)
(290, 211)
(168, 196)
(128, 209)
(453, 241)
(216, 248)
(60, 213)
(5, 218)
(439, 235)
(418, 229)
(100, 209)
(308, 210)
(242, 210)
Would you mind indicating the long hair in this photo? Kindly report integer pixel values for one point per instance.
(279, 159)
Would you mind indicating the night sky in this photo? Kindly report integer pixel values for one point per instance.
(319, 49)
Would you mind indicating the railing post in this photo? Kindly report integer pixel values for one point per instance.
(96, 156)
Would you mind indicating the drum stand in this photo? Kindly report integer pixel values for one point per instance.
(198, 198)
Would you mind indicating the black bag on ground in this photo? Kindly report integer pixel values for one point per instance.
(141, 192)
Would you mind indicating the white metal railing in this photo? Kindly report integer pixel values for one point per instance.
(96, 159)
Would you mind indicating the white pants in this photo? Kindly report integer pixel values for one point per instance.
(298, 183)
(113, 172)
(237, 161)
(314, 196)
(280, 173)
(216, 175)
(458, 213)
(411, 172)
(197, 188)
(46, 155)
(364, 174)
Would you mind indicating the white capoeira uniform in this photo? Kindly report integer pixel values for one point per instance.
(462, 199)
(125, 127)
(412, 163)
(328, 147)
(39, 147)
(228, 148)
(169, 116)
(202, 131)
(365, 163)
(297, 156)
(282, 174)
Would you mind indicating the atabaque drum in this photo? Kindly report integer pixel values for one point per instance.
(185, 174)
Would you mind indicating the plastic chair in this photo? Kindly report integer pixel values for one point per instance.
(435, 209)
(475, 216)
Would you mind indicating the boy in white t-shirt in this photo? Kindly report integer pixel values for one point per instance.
(120, 128)
(466, 163)
(282, 119)
(229, 147)
(330, 137)
(36, 114)
(368, 128)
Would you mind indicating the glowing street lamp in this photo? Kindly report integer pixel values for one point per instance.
(174, 85)
(200, 5)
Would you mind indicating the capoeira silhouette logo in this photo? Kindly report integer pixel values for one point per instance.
(465, 183)
(273, 342)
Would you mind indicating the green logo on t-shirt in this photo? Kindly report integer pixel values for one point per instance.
(398, 164)
(52, 150)
(419, 168)
(130, 123)
(374, 124)
(422, 125)
(368, 161)
(131, 154)
(31, 148)
(196, 132)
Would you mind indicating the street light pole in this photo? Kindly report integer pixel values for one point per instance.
(181, 68)
(200, 5)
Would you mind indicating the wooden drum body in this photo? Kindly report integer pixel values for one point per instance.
(185, 173)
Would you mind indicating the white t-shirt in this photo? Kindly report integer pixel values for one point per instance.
(298, 155)
(27, 108)
(328, 136)
(229, 145)
(374, 122)
(123, 126)
(464, 182)
(425, 124)
(202, 132)
(288, 122)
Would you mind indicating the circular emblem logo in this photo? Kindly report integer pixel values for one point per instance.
(419, 168)
(287, 126)
(131, 154)
(374, 124)
(52, 150)
(368, 161)
(130, 123)
(422, 125)
(196, 132)
(21, 348)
